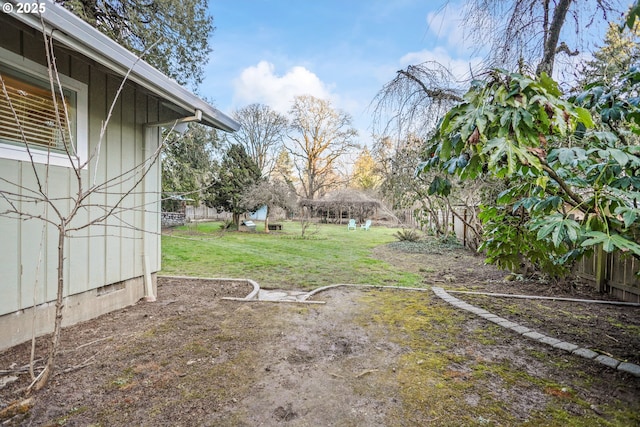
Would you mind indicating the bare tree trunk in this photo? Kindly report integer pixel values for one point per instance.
(266, 220)
(551, 42)
(41, 381)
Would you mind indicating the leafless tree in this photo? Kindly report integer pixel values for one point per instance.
(413, 101)
(272, 194)
(79, 210)
(521, 34)
(531, 31)
(320, 136)
(261, 134)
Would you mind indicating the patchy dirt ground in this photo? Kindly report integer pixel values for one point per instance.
(613, 330)
(367, 357)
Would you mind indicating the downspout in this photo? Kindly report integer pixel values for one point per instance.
(173, 125)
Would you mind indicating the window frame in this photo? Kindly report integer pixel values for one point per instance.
(20, 65)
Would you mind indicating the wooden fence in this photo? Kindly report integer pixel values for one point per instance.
(456, 222)
(613, 274)
(202, 213)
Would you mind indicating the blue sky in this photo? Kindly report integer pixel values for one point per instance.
(268, 51)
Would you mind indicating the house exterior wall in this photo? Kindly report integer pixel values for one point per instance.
(105, 264)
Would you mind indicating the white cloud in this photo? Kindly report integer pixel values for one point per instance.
(261, 84)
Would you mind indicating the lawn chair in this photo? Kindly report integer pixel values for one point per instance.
(366, 225)
(351, 225)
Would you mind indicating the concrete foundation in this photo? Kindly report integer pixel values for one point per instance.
(17, 327)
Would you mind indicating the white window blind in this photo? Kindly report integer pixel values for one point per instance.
(35, 112)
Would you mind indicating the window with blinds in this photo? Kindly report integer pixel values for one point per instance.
(33, 117)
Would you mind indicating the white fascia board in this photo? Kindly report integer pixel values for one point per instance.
(81, 37)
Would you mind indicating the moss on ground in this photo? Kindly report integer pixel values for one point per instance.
(446, 379)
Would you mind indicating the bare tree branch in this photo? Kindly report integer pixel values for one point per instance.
(415, 99)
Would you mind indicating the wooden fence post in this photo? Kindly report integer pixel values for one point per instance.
(464, 229)
(601, 269)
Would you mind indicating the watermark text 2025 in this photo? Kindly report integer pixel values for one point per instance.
(24, 7)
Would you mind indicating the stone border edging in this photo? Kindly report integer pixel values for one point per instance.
(586, 301)
(630, 368)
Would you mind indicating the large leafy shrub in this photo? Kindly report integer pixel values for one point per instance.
(572, 182)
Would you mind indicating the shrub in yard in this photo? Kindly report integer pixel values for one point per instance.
(407, 235)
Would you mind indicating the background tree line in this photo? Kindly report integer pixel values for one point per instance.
(273, 159)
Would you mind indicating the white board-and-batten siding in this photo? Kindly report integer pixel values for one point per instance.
(103, 254)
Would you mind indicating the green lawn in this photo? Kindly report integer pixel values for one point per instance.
(328, 254)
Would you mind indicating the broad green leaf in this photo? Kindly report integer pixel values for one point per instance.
(515, 124)
(572, 231)
(466, 130)
(440, 186)
(505, 196)
(584, 117)
(481, 123)
(550, 203)
(524, 82)
(444, 123)
(619, 156)
(556, 236)
(422, 167)
(445, 148)
(559, 123)
(610, 242)
(629, 214)
(542, 181)
(566, 156)
(527, 118)
(545, 230)
(505, 118)
(595, 238)
(451, 165)
(629, 218)
(473, 168)
(625, 245)
(550, 85)
(608, 138)
(558, 227)
(462, 161)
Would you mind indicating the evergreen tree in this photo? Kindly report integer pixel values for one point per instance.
(283, 168)
(187, 165)
(232, 177)
(175, 32)
(619, 52)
